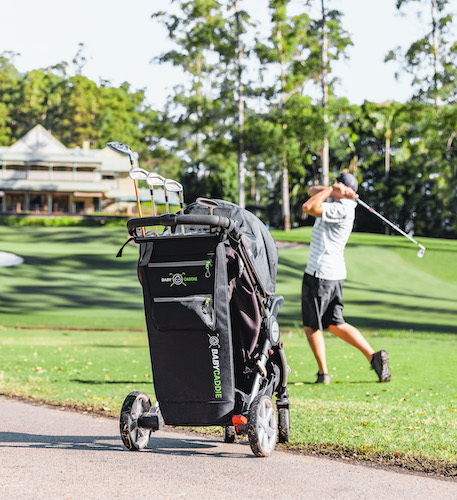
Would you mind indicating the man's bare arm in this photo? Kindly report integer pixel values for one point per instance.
(316, 189)
(318, 195)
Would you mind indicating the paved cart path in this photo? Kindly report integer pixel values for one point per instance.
(46, 453)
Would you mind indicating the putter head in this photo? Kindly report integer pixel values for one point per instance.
(138, 174)
(154, 179)
(172, 185)
(421, 252)
(121, 148)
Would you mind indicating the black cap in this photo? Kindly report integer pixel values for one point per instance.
(349, 180)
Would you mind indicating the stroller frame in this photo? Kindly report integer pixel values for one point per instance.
(240, 401)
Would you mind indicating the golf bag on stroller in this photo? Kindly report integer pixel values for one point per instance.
(217, 358)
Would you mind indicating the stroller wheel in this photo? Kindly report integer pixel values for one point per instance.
(262, 426)
(283, 425)
(135, 438)
(229, 434)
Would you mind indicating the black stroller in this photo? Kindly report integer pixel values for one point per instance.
(217, 358)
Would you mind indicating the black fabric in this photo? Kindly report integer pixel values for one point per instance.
(322, 302)
(189, 330)
(258, 240)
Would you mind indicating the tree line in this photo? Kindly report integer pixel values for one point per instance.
(257, 120)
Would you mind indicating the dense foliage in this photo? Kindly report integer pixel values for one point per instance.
(256, 108)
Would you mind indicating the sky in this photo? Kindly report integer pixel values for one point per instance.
(120, 40)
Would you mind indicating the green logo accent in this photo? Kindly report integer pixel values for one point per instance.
(214, 341)
(215, 361)
(179, 279)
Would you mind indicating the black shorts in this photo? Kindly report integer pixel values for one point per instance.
(321, 302)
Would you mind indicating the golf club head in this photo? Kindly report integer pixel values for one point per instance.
(172, 185)
(154, 179)
(138, 174)
(421, 252)
(121, 148)
(206, 202)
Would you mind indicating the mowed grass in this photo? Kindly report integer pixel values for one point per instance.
(71, 285)
(70, 278)
(388, 286)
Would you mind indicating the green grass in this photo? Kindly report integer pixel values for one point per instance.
(388, 286)
(70, 278)
(71, 285)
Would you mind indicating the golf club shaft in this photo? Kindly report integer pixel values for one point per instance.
(154, 210)
(392, 225)
(140, 213)
(181, 206)
(138, 203)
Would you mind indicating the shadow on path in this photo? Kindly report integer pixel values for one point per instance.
(184, 446)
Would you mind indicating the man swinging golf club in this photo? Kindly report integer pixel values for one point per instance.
(322, 289)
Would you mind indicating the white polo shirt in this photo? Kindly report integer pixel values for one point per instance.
(328, 240)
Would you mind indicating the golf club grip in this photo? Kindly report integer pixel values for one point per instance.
(175, 219)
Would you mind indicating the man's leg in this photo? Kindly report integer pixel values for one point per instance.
(352, 336)
(317, 344)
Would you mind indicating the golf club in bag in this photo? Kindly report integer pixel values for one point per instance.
(422, 249)
(123, 149)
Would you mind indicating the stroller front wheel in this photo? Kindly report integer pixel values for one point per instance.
(135, 438)
(283, 425)
(229, 434)
(262, 426)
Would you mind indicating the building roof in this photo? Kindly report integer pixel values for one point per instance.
(40, 146)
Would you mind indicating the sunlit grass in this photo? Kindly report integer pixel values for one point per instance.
(71, 287)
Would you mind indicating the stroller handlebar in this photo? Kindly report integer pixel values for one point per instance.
(185, 219)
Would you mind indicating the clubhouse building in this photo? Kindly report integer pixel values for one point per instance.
(39, 175)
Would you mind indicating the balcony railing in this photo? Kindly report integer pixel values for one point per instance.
(43, 175)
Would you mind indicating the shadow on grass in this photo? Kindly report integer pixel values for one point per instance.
(121, 346)
(110, 382)
(293, 320)
(386, 324)
(360, 287)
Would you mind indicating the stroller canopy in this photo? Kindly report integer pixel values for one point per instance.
(256, 237)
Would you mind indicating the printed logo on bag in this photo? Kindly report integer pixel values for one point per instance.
(214, 341)
(214, 349)
(178, 279)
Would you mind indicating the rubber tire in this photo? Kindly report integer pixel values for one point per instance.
(283, 425)
(134, 437)
(262, 426)
(229, 433)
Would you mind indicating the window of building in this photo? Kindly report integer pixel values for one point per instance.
(60, 203)
(62, 169)
(15, 202)
(41, 168)
(38, 203)
(16, 167)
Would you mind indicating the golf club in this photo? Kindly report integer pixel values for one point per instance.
(123, 149)
(175, 186)
(154, 179)
(211, 204)
(206, 202)
(422, 249)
